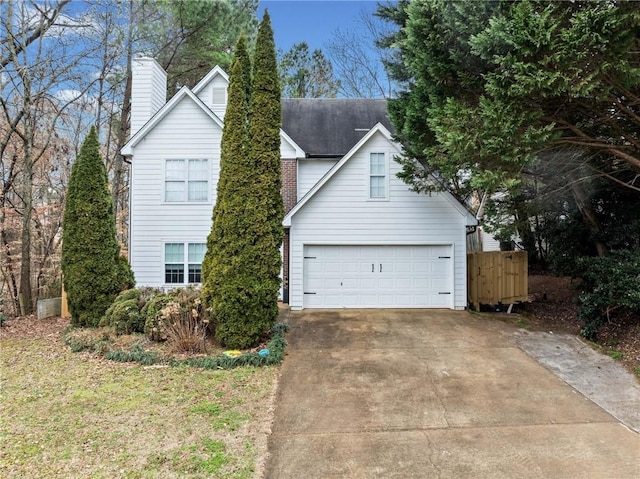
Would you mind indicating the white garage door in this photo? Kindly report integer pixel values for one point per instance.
(378, 276)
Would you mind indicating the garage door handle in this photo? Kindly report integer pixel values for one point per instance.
(372, 268)
(381, 267)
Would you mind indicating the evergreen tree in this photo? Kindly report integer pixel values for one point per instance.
(264, 131)
(226, 268)
(242, 266)
(93, 273)
(307, 75)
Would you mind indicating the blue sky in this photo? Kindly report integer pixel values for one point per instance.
(312, 21)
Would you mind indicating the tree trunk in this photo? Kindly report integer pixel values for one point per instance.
(26, 296)
(589, 216)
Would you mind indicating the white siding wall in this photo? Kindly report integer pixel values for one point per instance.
(310, 171)
(489, 243)
(286, 150)
(149, 91)
(207, 95)
(185, 133)
(342, 213)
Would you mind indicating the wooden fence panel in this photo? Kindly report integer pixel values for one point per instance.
(64, 306)
(497, 276)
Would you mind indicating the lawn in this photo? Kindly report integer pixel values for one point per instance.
(75, 415)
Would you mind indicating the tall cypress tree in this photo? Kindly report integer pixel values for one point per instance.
(225, 267)
(242, 265)
(90, 251)
(264, 130)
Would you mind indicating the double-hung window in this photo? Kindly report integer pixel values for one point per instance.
(183, 261)
(186, 180)
(377, 176)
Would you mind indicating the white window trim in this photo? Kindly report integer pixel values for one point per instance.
(386, 154)
(185, 262)
(185, 201)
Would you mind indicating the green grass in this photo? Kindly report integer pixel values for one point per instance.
(76, 415)
(617, 355)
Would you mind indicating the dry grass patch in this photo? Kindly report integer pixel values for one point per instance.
(75, 415)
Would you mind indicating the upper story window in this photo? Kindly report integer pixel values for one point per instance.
(178, 267)
(186, 180)
(218, 95)
(377, 175)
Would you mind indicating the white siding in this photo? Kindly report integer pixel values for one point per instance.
(208, 96)
(310, 172)
(489, 243)
(186, 132)
(287, 151)
(149, 91)
(341, 213)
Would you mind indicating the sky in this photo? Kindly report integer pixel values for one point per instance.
(312, 21)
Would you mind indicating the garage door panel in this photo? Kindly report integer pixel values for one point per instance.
(403, 267)
(377, 276)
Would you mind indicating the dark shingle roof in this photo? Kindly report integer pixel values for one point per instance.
(331, 126)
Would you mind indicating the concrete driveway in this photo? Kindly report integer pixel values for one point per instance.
(442, 394)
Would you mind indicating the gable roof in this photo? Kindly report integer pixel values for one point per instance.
(330, 127)
(127, 149)
(216, 71)
(378, 128)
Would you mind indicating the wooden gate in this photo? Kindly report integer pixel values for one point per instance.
(497, 277)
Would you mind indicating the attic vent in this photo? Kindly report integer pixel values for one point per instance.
(362, 129)
(219, 96)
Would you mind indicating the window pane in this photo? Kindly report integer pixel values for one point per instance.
(377, 187)
(377, 164)
(174, 191)
(174, 253)
(175, 170)
(196, 252)
(198, 169)
(195, 273)
(219, 96)
(174, 273)
(198, 191)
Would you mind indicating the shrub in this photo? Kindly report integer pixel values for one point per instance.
(611, 285)
(124, 314)
(154, 318)
(186, 333)
(164, 307)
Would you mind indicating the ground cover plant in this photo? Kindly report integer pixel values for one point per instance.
(77, 415)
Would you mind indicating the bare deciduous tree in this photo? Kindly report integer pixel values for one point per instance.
(358, 60)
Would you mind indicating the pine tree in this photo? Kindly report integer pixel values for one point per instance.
(93, 272)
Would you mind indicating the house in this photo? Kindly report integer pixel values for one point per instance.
(356, 236)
